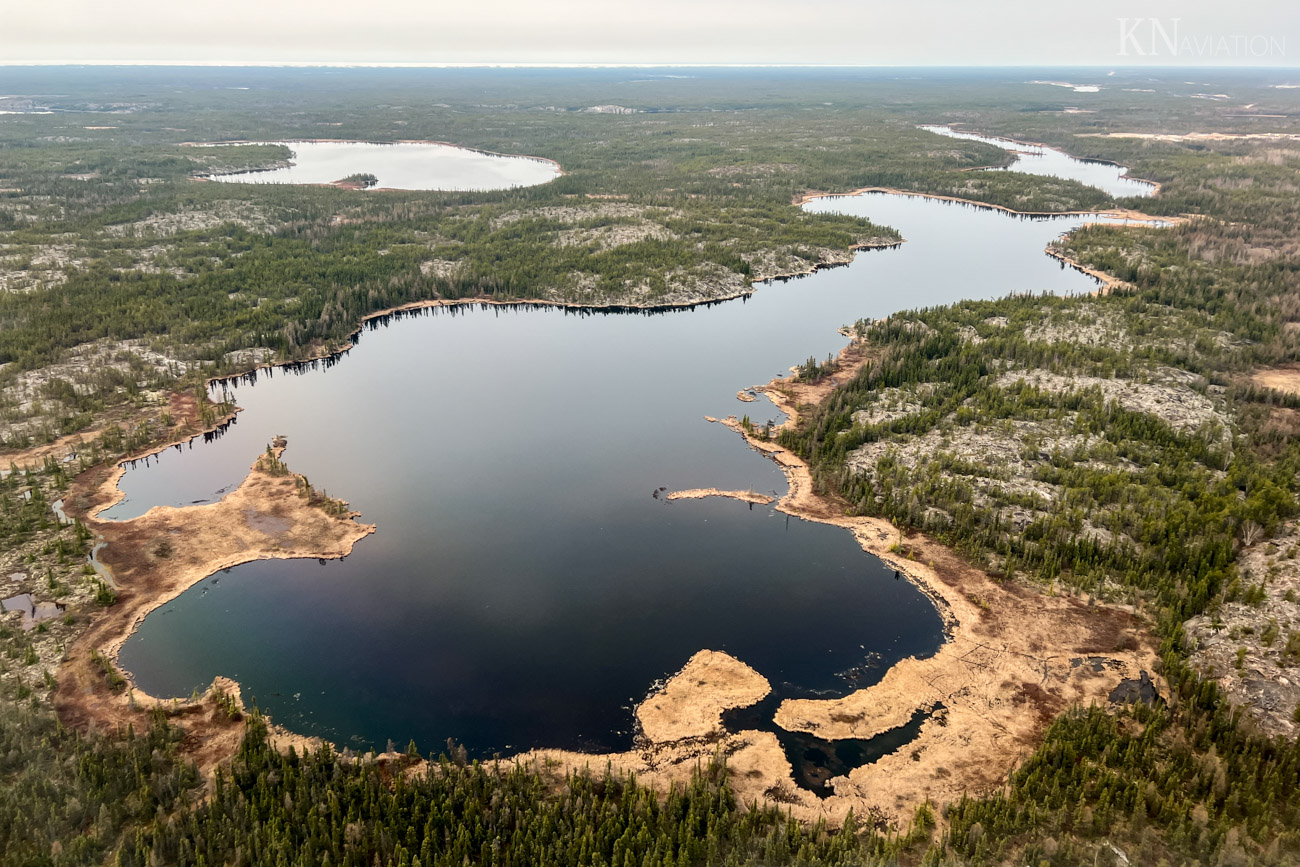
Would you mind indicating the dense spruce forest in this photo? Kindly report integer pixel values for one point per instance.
(125, 281)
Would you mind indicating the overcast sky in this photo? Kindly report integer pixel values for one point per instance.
(850, 32)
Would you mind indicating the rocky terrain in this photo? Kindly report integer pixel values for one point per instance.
(1250, 643)
(1004, 459)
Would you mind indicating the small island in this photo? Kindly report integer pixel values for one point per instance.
(359, 181)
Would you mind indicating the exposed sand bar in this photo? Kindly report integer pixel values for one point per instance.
(1108, 283)
(681, 731)
(691, 703)
(1007, 668)
(743, 496)
(159, 555)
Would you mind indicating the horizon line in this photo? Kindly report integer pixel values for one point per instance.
(399, 64)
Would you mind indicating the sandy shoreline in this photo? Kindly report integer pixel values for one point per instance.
(691, 703)
(101, 484)
(1002, 675)
(1117, 213)
(259, 494)
(680, 730)
(119, 469)
(1199, 136)
(743, 496)
(159, 555)
(183, 406)
(1155, 185)
(1004, 672)
(1108, 282)
(1014, 658)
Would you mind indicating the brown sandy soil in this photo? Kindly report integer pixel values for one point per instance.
(691, 703)
(1139, 217)
(1283, 379)
(184, 410)
(59, 449)
(1005, 671)
(681, 732)
(1198, 136)
(97, 488)
(1014, 659)
(1003, 633)
(701, 493)
(212, 734)
(1003, 674)
(1109, 282)
(758, 770)
(794, 393)
(156, 557)
(745, 397)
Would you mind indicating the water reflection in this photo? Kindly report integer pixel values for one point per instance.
(522, 589)
(401, 166)
(1041, 160)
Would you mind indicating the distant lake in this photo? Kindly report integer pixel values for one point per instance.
(526, 588)
(401, 166)
(1041, 160)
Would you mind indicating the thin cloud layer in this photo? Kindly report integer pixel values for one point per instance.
(863, 32)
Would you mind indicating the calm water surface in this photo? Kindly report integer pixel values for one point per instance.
(1039, 160)
(525, 588)
(401, 166)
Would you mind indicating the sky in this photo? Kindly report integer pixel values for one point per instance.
(688, 32)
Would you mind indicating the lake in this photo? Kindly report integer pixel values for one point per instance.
(1040, 160)
(525, 587)
(400, 166)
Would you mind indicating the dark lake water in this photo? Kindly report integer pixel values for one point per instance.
(401, 166)
(524, 587)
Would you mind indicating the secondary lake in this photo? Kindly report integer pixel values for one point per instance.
(400, 166)
(525, 586)
(1038, 160)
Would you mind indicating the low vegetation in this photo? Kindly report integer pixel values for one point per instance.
(1113, 446)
